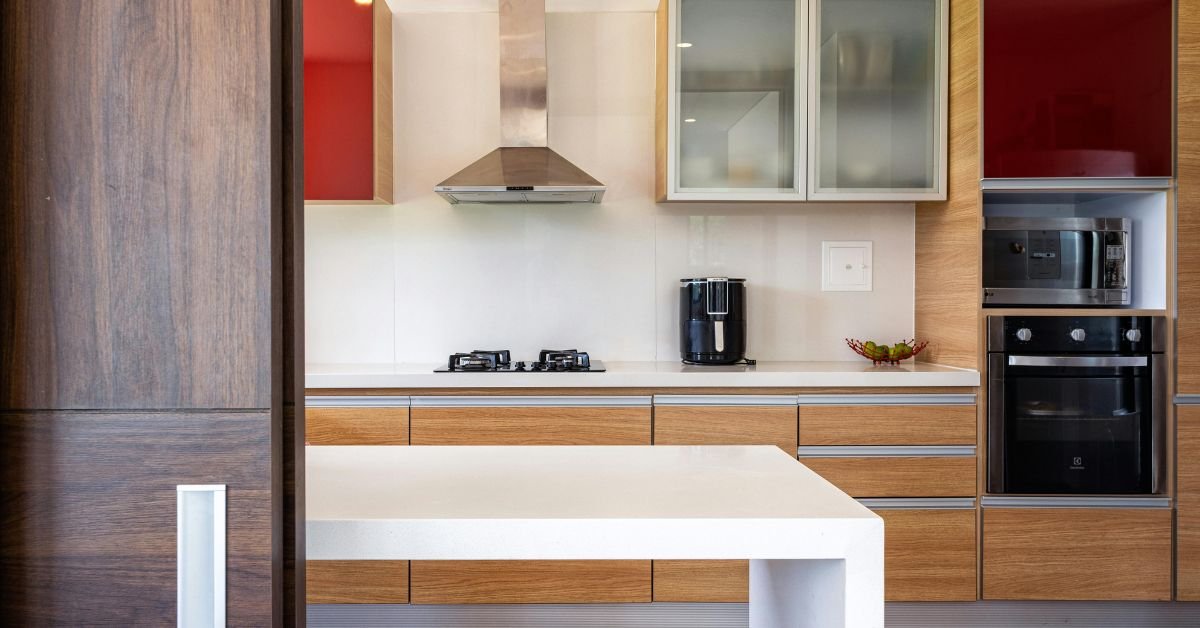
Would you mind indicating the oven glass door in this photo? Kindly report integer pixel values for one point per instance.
(1078, 430)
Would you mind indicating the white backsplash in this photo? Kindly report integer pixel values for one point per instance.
(417, 280)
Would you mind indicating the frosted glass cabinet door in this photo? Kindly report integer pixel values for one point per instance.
(736, 105)
(878, 102)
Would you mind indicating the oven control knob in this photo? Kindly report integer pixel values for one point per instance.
(1078, 335)
(1134, 335)
(1024, 334)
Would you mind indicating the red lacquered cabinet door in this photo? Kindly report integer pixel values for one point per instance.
(339, 158)
(1077, 88)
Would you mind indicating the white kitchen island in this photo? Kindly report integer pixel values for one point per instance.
(816, 554)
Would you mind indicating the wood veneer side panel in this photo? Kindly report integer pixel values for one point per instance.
(540, 425)
(1188, 198)
(930, 555)
(530, 581)
(1187, 516)
(701, 581)
(899, 476)
(357, 582)
(888, 425)
(89, 514)
(356, 426)
(726, 425)
(1076, 554)
(948, 240)
(382, 112)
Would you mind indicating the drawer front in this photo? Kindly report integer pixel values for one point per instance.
(356, 582)
(1076, 554)
(726, 425)
(898, 476)
(888, 425)
(701, 581)
(540, 425)
(530, 581)
(1187, 516)
(929, 555)
(356, 426)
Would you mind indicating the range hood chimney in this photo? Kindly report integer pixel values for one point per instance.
(523, 169)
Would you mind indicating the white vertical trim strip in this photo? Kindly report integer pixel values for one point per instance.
(218, 552)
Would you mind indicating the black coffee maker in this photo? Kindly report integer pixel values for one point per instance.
(712, 320)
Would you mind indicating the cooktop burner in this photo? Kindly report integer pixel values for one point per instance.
(500, 361)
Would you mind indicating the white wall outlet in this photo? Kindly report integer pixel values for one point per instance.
(846, 266)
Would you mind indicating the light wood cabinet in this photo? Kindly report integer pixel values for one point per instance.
(530, 581)
(1187, 516)
(1076, 554)
(356, 425)
(929, 554)
(898, 476)
(357, 582)
(726, 425)
(515, 424)
(701, 581)
(888, 425)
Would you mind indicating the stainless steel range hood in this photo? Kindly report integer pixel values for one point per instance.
(524, 169)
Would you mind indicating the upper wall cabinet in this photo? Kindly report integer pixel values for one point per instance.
(347, 101)
(792, 100)
(1077, 88)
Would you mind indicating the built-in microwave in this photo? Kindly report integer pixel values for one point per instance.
(1070, 261)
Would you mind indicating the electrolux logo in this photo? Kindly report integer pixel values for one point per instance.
(1077, 464)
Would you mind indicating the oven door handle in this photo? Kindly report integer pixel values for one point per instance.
(1077, 360)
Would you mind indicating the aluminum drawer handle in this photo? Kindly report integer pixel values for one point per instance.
(1077, 360)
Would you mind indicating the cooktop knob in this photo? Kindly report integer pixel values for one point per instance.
(1134, 335)
(1024, 334)
(1078, 334)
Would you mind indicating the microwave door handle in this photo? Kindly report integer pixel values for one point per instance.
(1077, 360)
(1097, 259)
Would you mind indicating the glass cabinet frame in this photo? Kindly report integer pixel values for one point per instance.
(805, 131)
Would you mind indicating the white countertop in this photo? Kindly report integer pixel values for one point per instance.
(576, 502)
(649, 375)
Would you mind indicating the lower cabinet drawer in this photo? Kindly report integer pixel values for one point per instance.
(898, 476)
(530, 581)
(535, 425)
(356, 582)
(929, 555)
(726, 425)
(356, 426)
(1077, 553)
(701, 581)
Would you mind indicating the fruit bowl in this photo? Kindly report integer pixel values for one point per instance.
(882, 355)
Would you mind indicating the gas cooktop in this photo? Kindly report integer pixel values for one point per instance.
(499, 361)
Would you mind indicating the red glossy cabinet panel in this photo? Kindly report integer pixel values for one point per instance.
(338, 100)
(1077, 88)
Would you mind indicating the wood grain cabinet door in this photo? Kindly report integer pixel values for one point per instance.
(1077, 554)
(864, 472)
(717, 420)
(948, 424)
(1187, 516)
(342, 425)
(929, 554)
(600, 420)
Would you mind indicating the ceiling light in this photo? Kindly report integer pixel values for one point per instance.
(689, 119)
(682, 44)
(363, 3)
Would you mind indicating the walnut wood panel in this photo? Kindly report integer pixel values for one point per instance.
(929, 555)
(357, 582)
(530, 582)
(887, 425)
(89, 513)
(899, 476)
(1188, 197)
(384, 178)
(540, 425)
(701, 581)
(583, 392)
(948, 240)
(1076, 554)
(1187, 516)
(356, 426)
(140, 179)
(726, 425)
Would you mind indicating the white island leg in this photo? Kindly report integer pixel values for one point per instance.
(825, 593)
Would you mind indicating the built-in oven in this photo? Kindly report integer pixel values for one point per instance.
(1056, 261)
(1076, 405)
